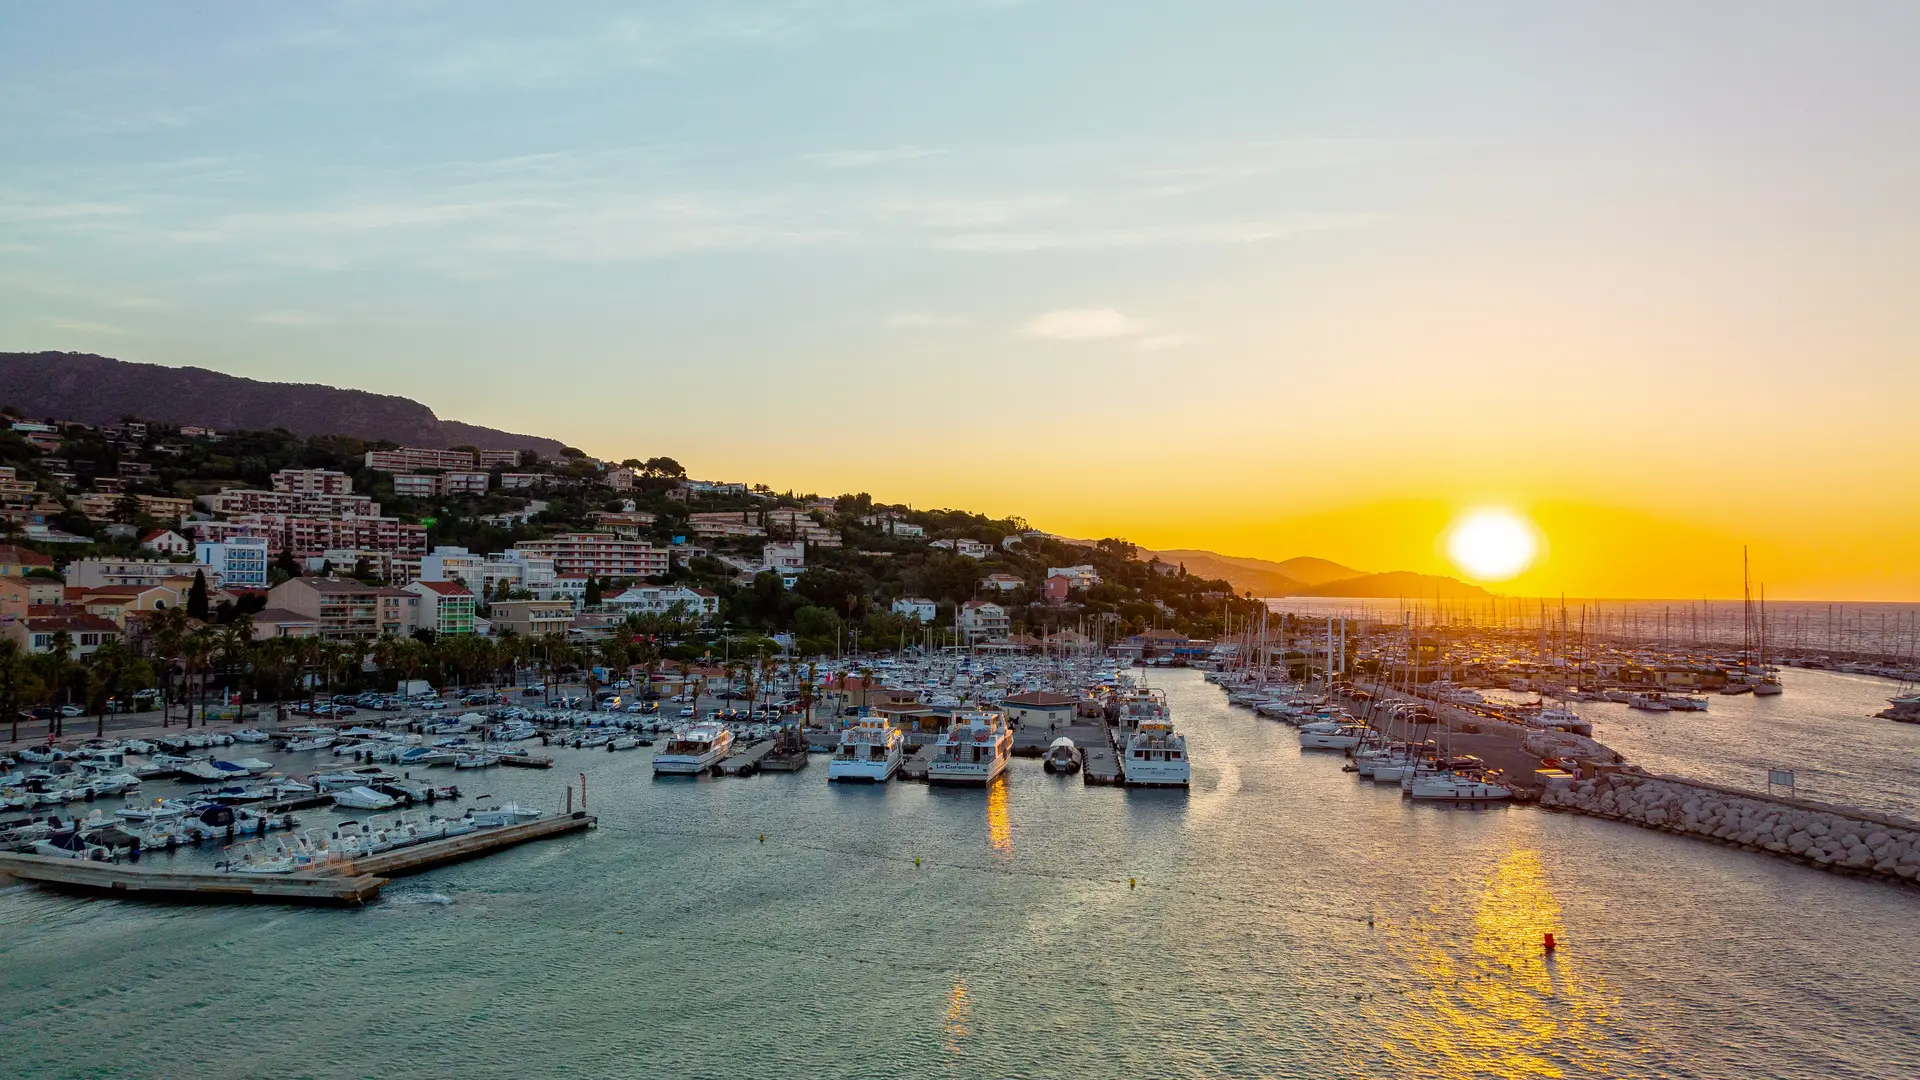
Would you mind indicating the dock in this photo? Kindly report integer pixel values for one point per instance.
(417, 857)
(298, 802)
(745, 762)
(526, 761)
(141, 883)
(357, 881)
(1100, 766)
(791, 761)
(917, 764)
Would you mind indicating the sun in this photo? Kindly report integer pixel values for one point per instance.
(1492, 544)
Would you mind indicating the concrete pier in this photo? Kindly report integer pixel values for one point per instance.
(745, 762)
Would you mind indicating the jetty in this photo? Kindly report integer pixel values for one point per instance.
(344, 883)
(1100, 766)
(745, 762)
(917, 763)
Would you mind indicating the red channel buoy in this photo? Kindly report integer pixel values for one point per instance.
(1548, 942)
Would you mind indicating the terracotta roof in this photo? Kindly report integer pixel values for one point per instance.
(15, 555)
(1040, 699)
(71, 624)
(275, 616)
(446, 588)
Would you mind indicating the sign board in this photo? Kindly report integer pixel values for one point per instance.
(1781, 778)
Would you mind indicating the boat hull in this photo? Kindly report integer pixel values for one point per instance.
(862, 772)
(966, 775)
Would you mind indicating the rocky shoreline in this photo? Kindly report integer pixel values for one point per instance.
(1829, 838)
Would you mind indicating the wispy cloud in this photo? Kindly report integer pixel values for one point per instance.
(285, 317)
(1084, 324)
(1162, 343)
(859, 159)
(84, 326)
(920, 320)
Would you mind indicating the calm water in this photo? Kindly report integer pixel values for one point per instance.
(672, 942)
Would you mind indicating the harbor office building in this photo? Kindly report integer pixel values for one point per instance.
(1038, 707)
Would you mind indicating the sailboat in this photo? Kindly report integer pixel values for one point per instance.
(1765, 684)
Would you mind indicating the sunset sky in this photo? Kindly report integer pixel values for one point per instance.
(1264, 278)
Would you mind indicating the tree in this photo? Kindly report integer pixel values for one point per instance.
(13, 675)
(593, 594)
(106, 673)
(197, 607)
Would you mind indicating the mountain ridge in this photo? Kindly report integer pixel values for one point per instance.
(95, 389)
(1308, 576)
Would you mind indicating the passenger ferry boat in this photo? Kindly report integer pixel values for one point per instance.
(870, 751)
(1156, 756)
(693, 749)
(975, 750)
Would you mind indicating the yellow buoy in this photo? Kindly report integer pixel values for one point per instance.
(763, 838)
(916, 860)
(1131, 883)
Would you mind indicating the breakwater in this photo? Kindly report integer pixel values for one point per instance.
(1831, 838)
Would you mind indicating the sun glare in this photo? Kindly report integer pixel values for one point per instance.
(1491, 544)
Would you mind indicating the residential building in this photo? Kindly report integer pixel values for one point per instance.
(725, 523)
(399, 612)
(36, 632)
(619, 478)
(623, 523)
(312, 482)
(1037, 707)
(281, 623)
(1003, 582)
(16, 560)
(1078, 577)
(493, 459)
(318, 504)
(465, 483)
(483, 574)
(599, 555)
(344, 610)
(416, 485)
(893, 526)
(699, 604)
(115, 602)
(16, 596)
(94, 573)
(982, 621)
(408, 458)
(308, 537)
(1056, 590)
(102, 505)
(917, 607)
(972, 549)
(531, 618)
(238, 561)
(455, 564)
(783, 557)
(515, 481)
(446, 607)
(167, 542)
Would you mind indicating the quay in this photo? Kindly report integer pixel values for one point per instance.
(1099, 765)
(142, 883)
(349, 882)
(745, 762)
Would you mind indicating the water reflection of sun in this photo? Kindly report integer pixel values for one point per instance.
(1499, 1007)
(959, 1017)
(999, 826)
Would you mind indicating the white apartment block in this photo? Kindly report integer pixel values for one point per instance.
(238, 562)
(916, 607)
(660, 599)
(600, 555)
(416, 485)
(408, 458)
(312, 482)
(464, 483)
(981, 620)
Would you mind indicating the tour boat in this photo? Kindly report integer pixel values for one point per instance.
(693, 749)
(975, 750)
(1063, 757)
(871, 750)
(1157, 755)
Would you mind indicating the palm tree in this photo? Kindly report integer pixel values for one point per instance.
(106, 670)
(196, 653)
(12, 674)
(234, 643)
(169, 628)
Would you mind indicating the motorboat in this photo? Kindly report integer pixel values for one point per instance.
(1652, 701)
(495, 816)
(974, 750)
(1063, 757)
(693, 749)
(363, 798)
(869, 750)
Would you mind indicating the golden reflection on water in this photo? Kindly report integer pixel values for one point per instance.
(999, 826)
(1497, 1006)
(959, 1018)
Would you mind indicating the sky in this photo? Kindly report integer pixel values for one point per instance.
(1271, 279)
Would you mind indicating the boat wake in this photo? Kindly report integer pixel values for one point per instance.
(441, 899)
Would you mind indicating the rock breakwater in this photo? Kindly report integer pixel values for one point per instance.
(1828, 838)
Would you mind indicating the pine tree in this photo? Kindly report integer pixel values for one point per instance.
(593, 591)
(197, 597)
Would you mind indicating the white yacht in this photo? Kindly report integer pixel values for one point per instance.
(975, 750)
(1457, 787)
(871, 750)
(693, 749)
(1331, 736)
(364, 798)
(1157, 756)
(1649, 702)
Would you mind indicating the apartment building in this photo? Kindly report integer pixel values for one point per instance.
(464, 483)
(98, 573)
(483, 574)
(446, 607)
(86, 633)
(416, 485)
(982, 620)
(517, 481)
(344, 610)
(408, 458)
(309, 537)
(399, 612)
(598, 554)
(233, 501)
(531, 618)
(239, 562)
(700, 604)
(725, 523)
(312, 482)
(496, 459)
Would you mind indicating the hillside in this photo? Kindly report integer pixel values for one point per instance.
(100, 390)
(1308, 576)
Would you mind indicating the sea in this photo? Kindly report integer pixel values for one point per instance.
(1280, 919)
